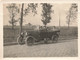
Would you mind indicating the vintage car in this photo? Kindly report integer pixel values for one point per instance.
(39, 34)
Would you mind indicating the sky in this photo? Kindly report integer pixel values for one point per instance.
(60, 11)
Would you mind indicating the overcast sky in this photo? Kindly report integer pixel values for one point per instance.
(59, 9)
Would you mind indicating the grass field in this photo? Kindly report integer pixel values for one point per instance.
(65, 33)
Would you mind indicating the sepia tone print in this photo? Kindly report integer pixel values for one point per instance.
(40, 30)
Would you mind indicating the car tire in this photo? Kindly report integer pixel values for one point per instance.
(29, 41)
(20, 40)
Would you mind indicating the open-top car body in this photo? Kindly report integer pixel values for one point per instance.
(42, 34)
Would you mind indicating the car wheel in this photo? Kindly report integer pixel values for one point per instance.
(30, 41)
(20, 40)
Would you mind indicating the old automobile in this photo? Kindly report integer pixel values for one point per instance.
(39, 34)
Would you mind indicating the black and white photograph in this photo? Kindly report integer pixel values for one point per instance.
(40, 30)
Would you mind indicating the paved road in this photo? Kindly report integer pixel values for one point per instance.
(64, 48)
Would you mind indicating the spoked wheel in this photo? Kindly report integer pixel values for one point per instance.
(20, 40)
(54, 38)
(30, 41)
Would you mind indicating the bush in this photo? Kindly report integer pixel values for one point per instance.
(11, 35)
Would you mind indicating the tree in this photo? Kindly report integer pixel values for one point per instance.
(31, 7)
(72, 14)
(13, 10)
(46, 13)
(21, 20)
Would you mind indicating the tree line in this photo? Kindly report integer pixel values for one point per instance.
(14, 10)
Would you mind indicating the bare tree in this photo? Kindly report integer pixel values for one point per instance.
(13, 10)
(21, 20)
(72, 14)
(32, 7)
(46, 13)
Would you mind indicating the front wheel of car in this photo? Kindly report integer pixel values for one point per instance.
(20, 40)
(29, 41)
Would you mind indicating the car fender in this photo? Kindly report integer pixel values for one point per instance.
(29, 37)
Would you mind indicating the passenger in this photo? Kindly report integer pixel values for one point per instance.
(22, 35)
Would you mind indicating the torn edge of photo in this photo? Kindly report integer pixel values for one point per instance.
(39, 29)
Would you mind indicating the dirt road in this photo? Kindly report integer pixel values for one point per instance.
(64, 48)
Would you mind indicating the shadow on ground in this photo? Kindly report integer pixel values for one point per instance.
(63, 40)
